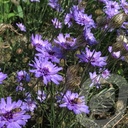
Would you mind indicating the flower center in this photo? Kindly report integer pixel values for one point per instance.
(51, 52)
(112, 6)
(8, 115)
(45, 71)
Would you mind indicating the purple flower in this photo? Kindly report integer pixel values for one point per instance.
(50, 53)
(124, 5)
(114, 54)
(46, 70)
(125, 46)
(83, 19)
(54, 4)
(2, 77)
(56, 23)
(68, 20)
(65, 41)
(89, 37)
(20, 87)
(104, 1)
(93, 57)
(23, 76)
(74, 102)
(21, 27)
(112, 8)
(105, 74)
(37, 41)
(72, 15)
(35, 0)
(12, 114)
(29, 103)
(95, 79)
(41, 96)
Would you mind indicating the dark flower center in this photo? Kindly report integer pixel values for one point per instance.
(45, 71)
(91, 59)
(112, 6)
(8, 115)
(51, 52)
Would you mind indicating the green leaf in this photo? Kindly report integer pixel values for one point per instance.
(20, 11)
(11, 15)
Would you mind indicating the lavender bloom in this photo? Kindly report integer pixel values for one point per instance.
(106, 74)
(29, 103)
(72, 15)
(41, 96)
(74, 102)
(124, 5)
(20, 87)
(98, 78)
(2, 77)
(89, 37)
(112, 8)
(21, 27)
(65, 41)
(125, 46)
(114, 54)
(12, 114)
(95, 79)
(46, 70)
(23, 76)
(56, 23)
(36, 40)
(35, 0)
(54, 4)
(83, 19)
(50, 53)
(104, 1)
(93, 57)
(68, 20)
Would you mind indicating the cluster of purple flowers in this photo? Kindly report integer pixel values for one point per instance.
(43, 66)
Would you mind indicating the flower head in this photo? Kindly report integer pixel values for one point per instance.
(50, 53)
(46, 70)
(89, 36)
(124, 5)
(41, 96)
(83, 19)
(94, 58)
(114, 54)
(35, 0)
(37, 41)
(74, 102)
(68, 19)
(29, 103)
(65, 41)
(56, 23)
(96, 79)
(12, 114)
(23, 76)
(54, 4)
(2, 77)
(21, 27)
(112, 8)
